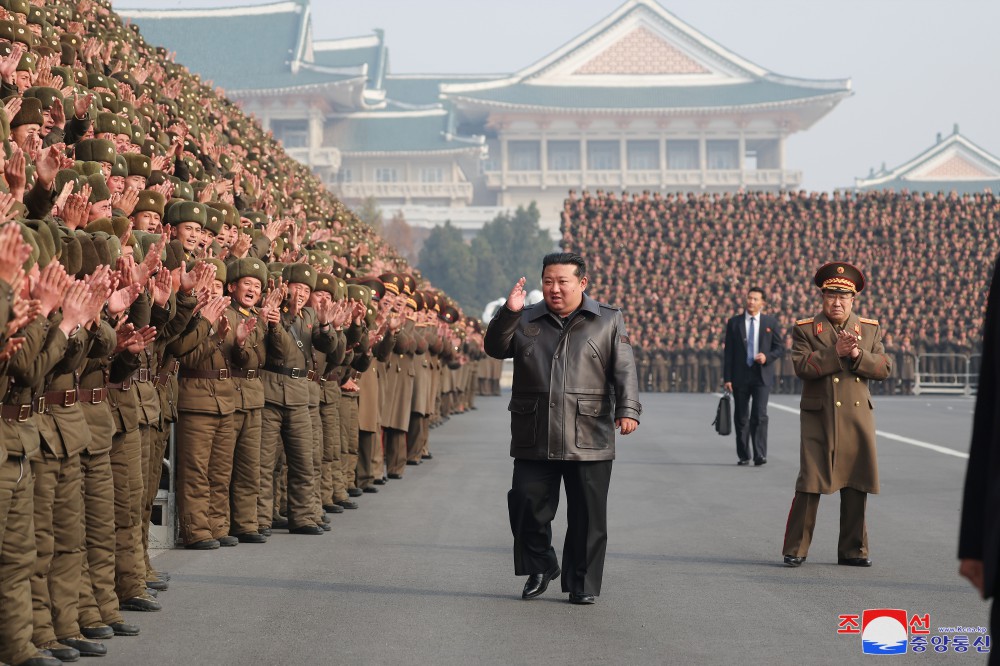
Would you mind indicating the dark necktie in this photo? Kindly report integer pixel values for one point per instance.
(751, 337)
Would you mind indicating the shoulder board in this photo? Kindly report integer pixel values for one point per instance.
(871, 322)
(804, 322)
(244, 312)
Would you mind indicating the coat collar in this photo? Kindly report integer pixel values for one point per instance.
(826, 331)
(539, 310)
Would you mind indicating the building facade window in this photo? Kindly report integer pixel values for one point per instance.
(564, 155)
(603, 155)
(682, 155)
(723, 154)
(291, 133)
(386, 175)
(345, 176)
(524, 156)
(432, 174)
(643, 155)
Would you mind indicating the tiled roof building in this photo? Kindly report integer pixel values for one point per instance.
(639, 101)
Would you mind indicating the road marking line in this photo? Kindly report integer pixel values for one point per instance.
(898, 438)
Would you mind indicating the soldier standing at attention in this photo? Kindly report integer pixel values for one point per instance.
(836, 354)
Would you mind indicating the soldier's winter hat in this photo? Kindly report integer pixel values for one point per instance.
(247, 267)
(302, 273)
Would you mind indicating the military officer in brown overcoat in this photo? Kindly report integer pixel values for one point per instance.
(836, 353)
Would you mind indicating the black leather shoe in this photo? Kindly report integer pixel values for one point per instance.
(204, 544)
(537, 583)
(143, 602)
(792, 561)
(426, 456)
(97, 632)
(325, 519)
(759, 462)
(369, 489)
(412, 462)
(581, 598)
(163, 575)
(334, 508)
(158, 585)
(325, 527)
(124, 629)
(395, 476)
(85, 647)
(60, 651)
(40, 660)
(743, 462)
(279, 524)
(251, 537)
(265, 531)
(228, 541)
(380, 482)
(306, 529)
(152, 593)
(348, 504)
(354, 492)
(854, 561)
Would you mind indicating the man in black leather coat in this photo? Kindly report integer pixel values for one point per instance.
(575, 381)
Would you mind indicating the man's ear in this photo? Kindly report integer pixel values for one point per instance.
(583, 283)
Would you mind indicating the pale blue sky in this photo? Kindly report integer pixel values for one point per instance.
(918, 66)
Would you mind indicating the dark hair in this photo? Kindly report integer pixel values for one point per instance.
(570, 258)
(759, 290)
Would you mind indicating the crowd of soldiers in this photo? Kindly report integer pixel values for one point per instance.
(679, 266)
(166, 271)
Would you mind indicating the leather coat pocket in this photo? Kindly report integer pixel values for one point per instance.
(523, 421)
(595, 429)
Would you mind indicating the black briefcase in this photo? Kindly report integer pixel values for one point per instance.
(724, 415)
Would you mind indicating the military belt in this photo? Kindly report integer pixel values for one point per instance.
(93, 396)
(188, 373)
(61, 398)
(252, 373)
(19, 413)
(123, 385)
(141, 375)
(294, 373)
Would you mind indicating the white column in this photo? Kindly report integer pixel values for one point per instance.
(623, 160)
(703, 158)
(663, 160)
(583, 162)
(503, 162)
(742, 156)
(543, 153)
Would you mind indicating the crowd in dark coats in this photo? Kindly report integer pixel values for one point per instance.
(679, 265)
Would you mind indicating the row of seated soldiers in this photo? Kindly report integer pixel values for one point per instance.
(290, 391)
(692, 370)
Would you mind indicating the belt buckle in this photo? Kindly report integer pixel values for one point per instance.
(94, 393)
(224, 373)
(311, 375)
(295, 373)
(23, 413)
(41, 404)
(251, 374)
(127, 383)
(142, 374)
(69, 396)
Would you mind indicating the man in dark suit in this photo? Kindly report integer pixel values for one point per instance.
(978, 548)
(753, 344)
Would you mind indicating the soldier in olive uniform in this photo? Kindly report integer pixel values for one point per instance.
(836, 354)
(246, 279)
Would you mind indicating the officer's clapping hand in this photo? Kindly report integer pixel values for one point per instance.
(244, 329)
(50, 287)
(160, 287)
(214, 308)
(847, 344)
(13, 251)
(515, 300)
(23, 312)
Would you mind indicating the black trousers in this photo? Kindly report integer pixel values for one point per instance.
(751, 421)
(532, 502)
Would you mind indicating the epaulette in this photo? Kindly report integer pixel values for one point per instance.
(804, 322)
(244, 312)
(871, 322)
